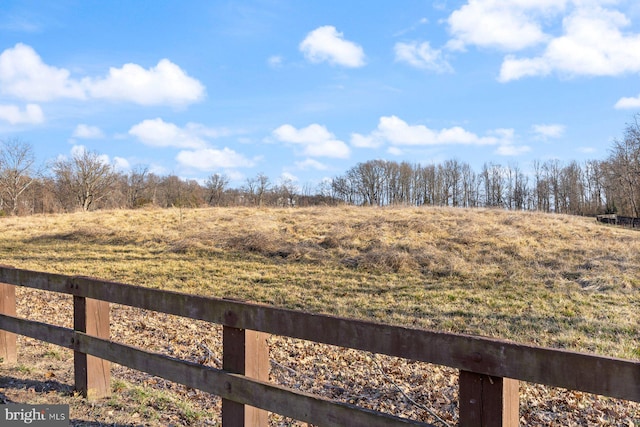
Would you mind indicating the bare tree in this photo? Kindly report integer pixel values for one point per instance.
(342, 188)
(287, 192)
(41, 196)
(425, 182)
(452, 183)
(17, 170)
(257, 188)
(136, 185)
(594, 183)
(542, 193)
(405, 184)
(215, 187)
(624, 168)
(494, 183)
(469, 186)
(86, 178)
(369, 179)
(572, 191)
(521, 196)
(172, 191)
(553, 170)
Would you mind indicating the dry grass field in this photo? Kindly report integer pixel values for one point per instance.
(550, 280)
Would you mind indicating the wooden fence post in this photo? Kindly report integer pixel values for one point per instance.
(8, 340)
(244, 352)
(92, 376)
(487, 401)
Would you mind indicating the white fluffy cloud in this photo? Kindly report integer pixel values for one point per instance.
(365, 141)
(311, 164)
(593, 43)
(209, 159)
(196, 153)
(312, 134)
(398, 133)
(505, 25)
(288, 176)
(548, 131)
(512, 150)
(315, 139)
(121, 164)
(32, 114)
(158, 133)
(422, 56)
(84, 131)
(164, 84)
(81, 150)
(573, 37)
(329, 148)
(327, 44)
(628, 102)
(25, 76)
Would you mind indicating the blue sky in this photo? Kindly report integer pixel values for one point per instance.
(304, 90)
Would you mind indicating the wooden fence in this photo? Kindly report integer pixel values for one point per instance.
(489, 369)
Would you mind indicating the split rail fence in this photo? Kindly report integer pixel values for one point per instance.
(490, 369)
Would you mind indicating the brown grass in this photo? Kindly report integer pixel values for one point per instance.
(550, 280)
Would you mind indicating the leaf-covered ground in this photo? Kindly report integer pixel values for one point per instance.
(557, 281)
(419, 391)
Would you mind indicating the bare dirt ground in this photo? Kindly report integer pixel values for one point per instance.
(44, 375)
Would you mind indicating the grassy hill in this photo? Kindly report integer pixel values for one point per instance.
(550, 280)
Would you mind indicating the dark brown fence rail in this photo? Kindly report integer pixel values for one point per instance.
(489, 369)
(623, 221)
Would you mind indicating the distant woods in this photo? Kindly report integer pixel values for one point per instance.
(86, 181)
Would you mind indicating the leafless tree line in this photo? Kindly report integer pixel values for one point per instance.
(86, 181)
(552, 186)
(590, 188)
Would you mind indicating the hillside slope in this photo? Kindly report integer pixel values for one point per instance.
(551, 280)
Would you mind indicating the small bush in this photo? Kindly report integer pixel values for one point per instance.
(257, 242)
(385, 260)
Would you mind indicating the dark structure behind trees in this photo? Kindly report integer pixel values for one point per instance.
(86, 182)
